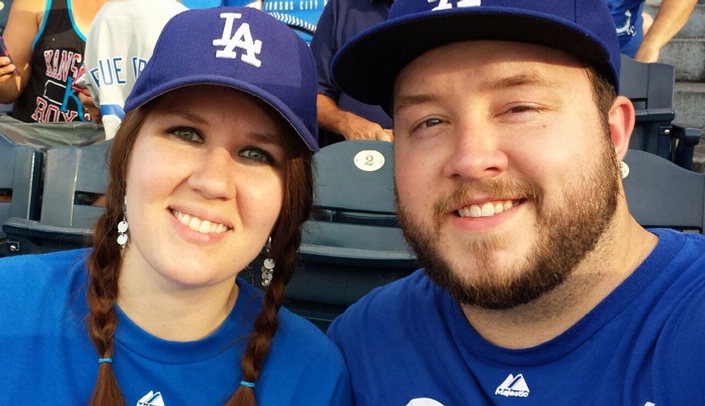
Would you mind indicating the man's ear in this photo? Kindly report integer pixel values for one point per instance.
(621, 123)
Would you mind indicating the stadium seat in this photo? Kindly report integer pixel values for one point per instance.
(662, 194)
(352, 243)
(650, 88)
(20, 172)
(74, 177)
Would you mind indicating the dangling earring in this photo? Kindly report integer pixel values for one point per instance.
(268, 264)
(624, 169)
(122, 227)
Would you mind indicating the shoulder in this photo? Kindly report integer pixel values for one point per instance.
(41, 266)
(302, 357)
(385, 306)
(299, 334)
(27, 276)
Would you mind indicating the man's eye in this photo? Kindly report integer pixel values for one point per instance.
(256, 154)
(430, 122)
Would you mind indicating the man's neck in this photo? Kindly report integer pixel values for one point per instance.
(622, 248)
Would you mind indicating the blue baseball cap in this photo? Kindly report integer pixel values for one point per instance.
(367, 66)
(241, 48)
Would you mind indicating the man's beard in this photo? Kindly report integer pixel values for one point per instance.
(566, 235)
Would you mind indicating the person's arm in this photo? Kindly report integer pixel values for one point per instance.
(671, 17)
(349, 125)
(22, 27)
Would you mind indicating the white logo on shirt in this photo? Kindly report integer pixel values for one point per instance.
(424, 402)
(151, 399)
(241, 39)
(513, 386)
(446, 4)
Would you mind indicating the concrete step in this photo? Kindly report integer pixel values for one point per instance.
(689, 104)
(694, 28)
(688, 56)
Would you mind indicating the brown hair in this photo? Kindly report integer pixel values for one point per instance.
(105, 260)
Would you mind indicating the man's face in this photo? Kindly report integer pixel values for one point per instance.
(506, 177)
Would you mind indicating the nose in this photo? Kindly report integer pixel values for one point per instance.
(476, 153)
(213, 174)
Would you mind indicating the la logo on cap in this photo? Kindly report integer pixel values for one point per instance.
(446, 4)
(241, 39)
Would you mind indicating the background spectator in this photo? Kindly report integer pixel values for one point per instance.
(629, 20)
(341, 117)
(119, 44)
(46, 40)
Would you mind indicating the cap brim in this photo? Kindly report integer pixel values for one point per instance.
(279, 106)
(367, 66)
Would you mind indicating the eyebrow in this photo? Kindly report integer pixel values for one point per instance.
(531, 77)
(266, 137)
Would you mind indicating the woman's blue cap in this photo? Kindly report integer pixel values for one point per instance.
(241, 48)
(367, 66)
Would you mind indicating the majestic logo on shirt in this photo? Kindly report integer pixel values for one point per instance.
(242, 39)
(151, 399)
(446, 4)
(513, 386)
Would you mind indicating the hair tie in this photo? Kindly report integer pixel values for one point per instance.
(108, 360)
(247, 384)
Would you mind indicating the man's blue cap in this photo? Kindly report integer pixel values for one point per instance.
(240, 48)
(367, 66)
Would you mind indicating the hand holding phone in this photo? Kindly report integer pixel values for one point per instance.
(3, 49)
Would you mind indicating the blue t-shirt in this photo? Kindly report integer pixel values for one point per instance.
(629, 24)
(46, 356)
(408, 343)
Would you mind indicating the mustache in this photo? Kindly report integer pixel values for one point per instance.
(499, 188)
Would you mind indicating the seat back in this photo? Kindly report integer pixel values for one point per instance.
(74, 177)
(650, 87)
(20, 174)
(352, 243)
(662, 194)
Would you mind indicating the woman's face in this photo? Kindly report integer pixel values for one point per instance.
(204, 188)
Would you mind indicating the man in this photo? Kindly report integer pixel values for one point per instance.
(340, 117)
(539, 287)
(642, 37)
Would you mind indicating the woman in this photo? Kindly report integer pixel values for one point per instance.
(46, 40)
(212, 162)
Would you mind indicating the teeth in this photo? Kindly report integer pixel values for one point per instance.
(196, 224)
(487, 209)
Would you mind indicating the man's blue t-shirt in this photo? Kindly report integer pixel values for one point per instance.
(408, 343)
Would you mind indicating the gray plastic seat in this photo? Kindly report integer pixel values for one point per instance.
(662, 194)
(20, 172)
(73, 177)
(352, 243)
(650, 88)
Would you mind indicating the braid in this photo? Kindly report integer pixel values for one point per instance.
(286, 238)
(102, 319)
(105, 261)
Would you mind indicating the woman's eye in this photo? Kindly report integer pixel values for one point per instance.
(186, 134)
(256, 154)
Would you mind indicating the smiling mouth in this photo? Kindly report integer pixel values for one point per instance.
(487, 209)
(199, 225)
